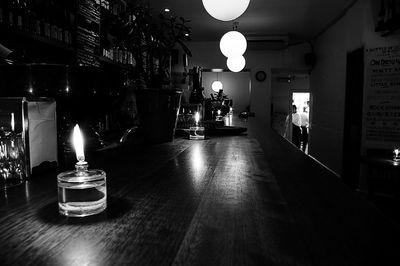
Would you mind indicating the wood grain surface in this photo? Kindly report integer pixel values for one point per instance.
(214, 202)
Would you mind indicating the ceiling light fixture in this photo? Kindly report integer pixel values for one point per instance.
(232, 44)
(217, 85)
(167, 10)
(236, 64)
(225, 10)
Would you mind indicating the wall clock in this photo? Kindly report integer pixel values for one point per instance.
(261, 76)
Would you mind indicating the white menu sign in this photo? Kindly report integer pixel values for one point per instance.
(381, 125)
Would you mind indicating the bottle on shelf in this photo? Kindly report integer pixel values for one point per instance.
(130, 58)
(37, 21)
(36, 24)
(60, 32)
(53, 21)
(105, 4)
(46, 20)
(115, 8)
(60, 22)
(2, 10)
(11, 13)
(71, 21)
(28, 16)
(19, 15)
(46, 28)
(115, 53)
(66, 27)
(143, 56)
(122, 53)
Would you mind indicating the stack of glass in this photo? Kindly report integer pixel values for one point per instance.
(12, 159)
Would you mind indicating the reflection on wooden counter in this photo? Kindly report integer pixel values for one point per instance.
(216, 202)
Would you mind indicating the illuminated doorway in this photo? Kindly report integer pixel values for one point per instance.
(290, 87)
(301, 102)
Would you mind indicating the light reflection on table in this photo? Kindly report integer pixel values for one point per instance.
(79, 252)
(198, 166)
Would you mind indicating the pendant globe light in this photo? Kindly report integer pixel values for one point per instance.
(232, 44)
(236, 64)
(225, 10)
(217, 85)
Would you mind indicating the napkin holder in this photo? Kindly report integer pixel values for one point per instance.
(35, 121)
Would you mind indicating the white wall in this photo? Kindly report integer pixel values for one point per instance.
(208, 55)
(354, 30)
(235, 85)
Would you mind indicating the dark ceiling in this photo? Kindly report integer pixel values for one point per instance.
(298, 19)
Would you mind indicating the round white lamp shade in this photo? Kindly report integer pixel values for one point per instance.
(217, 86)
(233, 44)
(225, 10)
(236, 64)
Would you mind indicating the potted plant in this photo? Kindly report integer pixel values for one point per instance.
(158, 104)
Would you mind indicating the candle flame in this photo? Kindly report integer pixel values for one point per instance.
(219, 112)
(396, 152)
(78, 143)
(12, 122)
(197, 117)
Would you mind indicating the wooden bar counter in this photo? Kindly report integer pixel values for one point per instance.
(227, 200)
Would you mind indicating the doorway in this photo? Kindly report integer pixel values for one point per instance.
(235, 86)
(290, 87)
(301, 100)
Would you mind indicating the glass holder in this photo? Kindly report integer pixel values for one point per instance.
(12, 160)
(82, 192)
(196, 133)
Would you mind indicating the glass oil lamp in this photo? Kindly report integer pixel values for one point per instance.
(396, 154)
(81, 192)
(218, 117)
(196, 132)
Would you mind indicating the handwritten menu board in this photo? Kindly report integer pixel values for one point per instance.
(382, 97)
(88, 32)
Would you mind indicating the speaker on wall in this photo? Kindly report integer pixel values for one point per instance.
(310, 59)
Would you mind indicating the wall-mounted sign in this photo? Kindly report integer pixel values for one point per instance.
(381, 119)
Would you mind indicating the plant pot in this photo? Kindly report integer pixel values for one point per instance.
(158, 112)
